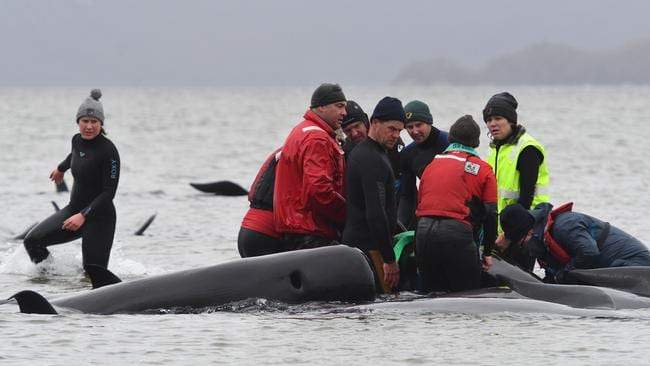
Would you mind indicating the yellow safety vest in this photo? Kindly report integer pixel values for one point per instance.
(504, 163)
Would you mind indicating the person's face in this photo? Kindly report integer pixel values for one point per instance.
(387, 132)
(89, 127)
(356, 131)
(419, 131)
(333, 114)
(499, 127)
(503, 243)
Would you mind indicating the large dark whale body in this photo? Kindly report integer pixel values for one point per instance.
(337, 273)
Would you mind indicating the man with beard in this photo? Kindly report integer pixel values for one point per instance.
(370, 183)
(428, 141)
(308, 201)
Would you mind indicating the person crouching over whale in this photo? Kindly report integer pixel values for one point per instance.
(370, 183)
(561, 239)
(458, 193)
(90, 214)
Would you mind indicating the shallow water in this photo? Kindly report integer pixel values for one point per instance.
(596, 141)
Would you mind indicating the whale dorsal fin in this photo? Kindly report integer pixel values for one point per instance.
(31, 302)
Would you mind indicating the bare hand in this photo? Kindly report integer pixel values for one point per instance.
(502, 243)
(74, 222)
(56, 176)
(391, 274)
(487, 263)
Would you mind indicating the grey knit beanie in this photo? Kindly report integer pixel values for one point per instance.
(92, 107)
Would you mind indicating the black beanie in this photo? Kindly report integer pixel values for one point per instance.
(327, 94)
(465, 131)
(502, 104)
(354, 114)
(516, 222)
(389, 109)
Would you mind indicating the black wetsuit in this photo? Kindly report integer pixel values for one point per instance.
(370, 202)
(413, 159)
(95, 166)
(393, 154)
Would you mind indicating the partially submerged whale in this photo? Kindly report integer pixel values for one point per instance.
(634, 279)
(337, 273)
(221, 188)
(578, 296)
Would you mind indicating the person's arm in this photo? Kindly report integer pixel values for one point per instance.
(575, 237)
(373, 180)
(407, 192)
(65, 164)
(528, 165)
(318, 181)
(110, 169)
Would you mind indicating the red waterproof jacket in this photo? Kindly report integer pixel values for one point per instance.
(450, 181)
(309, 192)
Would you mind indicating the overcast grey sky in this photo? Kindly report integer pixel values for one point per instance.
(292, 42)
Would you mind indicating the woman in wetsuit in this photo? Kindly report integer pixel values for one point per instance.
(90, 215)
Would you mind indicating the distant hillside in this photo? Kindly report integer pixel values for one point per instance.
(543, 63)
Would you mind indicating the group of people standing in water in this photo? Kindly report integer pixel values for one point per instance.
(316, 190)
(319, 189)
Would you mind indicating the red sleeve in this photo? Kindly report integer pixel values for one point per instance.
(318, 180)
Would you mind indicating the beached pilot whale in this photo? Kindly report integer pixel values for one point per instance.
(336, 273)
(634, 279)
(221, 188)
(577, 296)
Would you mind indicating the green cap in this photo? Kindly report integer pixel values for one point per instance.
(418, 111)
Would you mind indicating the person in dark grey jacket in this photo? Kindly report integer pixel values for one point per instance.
(562, 240)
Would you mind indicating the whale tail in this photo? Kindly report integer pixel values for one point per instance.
(31, 302)
(22, 235)
(145, 225)
(61, 187)
(221, 188)
(100, 276)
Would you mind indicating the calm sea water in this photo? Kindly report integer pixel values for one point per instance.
(597, 146)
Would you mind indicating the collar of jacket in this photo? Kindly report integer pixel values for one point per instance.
(455, 146)
(432, 139)
(313, 117)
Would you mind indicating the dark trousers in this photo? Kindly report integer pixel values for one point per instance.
(96, 233)
(447, 257)
(306, 241)
(251, 243)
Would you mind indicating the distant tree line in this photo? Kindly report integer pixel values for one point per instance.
(543, 63)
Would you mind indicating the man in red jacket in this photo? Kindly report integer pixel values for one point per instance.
(308, 200)
(457, 194)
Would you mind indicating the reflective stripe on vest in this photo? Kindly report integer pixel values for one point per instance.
(504, 164)
(556, 249)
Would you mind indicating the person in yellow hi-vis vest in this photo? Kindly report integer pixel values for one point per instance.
(519, 162)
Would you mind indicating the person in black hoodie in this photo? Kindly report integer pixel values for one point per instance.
(370, 200)
(90, 214)
(428, 141)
